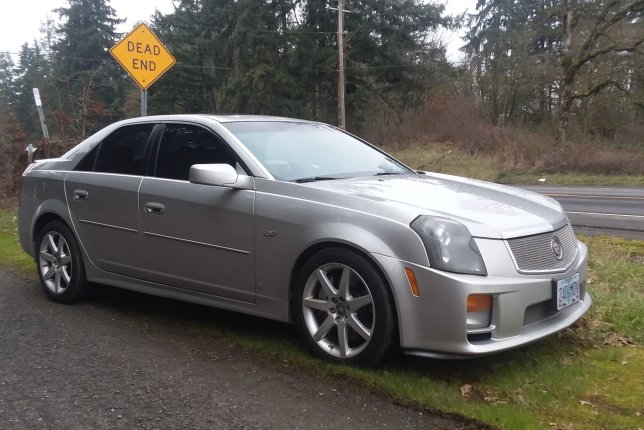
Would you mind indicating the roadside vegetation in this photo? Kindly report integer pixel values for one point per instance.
(450, 135)
(11, 254)
(587, 377)
(451, 159)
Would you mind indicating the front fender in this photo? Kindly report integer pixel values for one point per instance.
(286, 228)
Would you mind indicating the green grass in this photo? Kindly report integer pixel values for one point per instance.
(442, 158)
(445, 158)
(587, 377)
(11, 254)
(571, 179)
(617, 278)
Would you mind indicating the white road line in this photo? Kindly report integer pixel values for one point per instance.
(590, 196)
(604, 214)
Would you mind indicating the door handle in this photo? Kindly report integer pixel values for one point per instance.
(81, 195)
(154, 208)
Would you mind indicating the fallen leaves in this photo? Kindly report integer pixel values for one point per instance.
(561, 426)
(466, 390)
(617, 340)
(492, 398)
(517, 396)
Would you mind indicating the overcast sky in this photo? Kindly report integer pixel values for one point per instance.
(20, 20)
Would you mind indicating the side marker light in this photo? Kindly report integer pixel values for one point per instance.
(413, 283)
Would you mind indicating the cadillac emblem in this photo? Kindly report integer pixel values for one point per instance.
(557, 249)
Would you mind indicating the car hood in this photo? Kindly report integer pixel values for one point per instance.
(488, 210)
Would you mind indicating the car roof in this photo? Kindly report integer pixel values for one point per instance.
(221, 118)
(239, 118)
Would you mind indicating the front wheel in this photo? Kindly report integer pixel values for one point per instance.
(60, 263)
(344, 308)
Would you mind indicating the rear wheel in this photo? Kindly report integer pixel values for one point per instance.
(60, 263)
(343, 308)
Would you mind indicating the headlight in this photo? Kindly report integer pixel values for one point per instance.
(449, 245)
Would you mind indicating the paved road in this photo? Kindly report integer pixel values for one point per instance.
(601, 210)
(130, 361)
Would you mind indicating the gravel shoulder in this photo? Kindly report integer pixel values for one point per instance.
(127, 360)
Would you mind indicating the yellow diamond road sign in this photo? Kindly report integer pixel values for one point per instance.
(143, 55)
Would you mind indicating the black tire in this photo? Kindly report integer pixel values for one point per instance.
(60, 263)
(354, 323)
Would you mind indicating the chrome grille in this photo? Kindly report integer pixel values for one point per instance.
(534, 254)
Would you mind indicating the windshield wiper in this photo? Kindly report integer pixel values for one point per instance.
(388, 173)
(314, 179)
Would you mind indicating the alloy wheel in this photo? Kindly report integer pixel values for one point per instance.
(338, 310)
(55, 262)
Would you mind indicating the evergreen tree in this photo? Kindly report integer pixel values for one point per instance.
(30, 73)
(315, 62)
(85, 36)
(262, 53)
(198, 35)
(391, 54)
(89, 83)
(280, 56)
(6, 84)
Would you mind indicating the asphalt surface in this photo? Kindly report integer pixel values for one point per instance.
(613, 211)
(126, 360)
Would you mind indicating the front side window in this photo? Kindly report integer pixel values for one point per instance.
(123, 151)
(183, 145)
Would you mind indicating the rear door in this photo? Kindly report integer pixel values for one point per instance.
(103, 200)
(197, 237)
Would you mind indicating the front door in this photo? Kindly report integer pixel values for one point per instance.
(196, 237)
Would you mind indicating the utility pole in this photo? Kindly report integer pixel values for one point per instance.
(341, 84)
(341, 80)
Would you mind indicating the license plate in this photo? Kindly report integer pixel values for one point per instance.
(567, 291)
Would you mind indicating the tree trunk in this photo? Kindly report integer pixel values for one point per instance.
(568, 72)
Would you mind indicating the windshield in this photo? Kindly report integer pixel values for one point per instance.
(304, 152)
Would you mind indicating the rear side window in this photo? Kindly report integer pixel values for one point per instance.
(87, 163)
(123, 151)
(183, 145)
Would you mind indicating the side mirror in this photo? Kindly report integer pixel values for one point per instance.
(222, 175)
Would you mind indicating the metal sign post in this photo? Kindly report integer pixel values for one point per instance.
(31, 149)
(144, 103)
(41, 114)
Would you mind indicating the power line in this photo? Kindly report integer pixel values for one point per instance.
(295, 68)
(461, 63)
(247, 30)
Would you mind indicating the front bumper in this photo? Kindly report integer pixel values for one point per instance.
(435, 323)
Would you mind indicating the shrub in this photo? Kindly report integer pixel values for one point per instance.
(455, 120)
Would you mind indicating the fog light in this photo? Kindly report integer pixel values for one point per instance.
(479, 311)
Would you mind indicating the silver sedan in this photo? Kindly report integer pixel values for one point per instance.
(299, 221)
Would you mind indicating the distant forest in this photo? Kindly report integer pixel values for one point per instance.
(568, 70)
